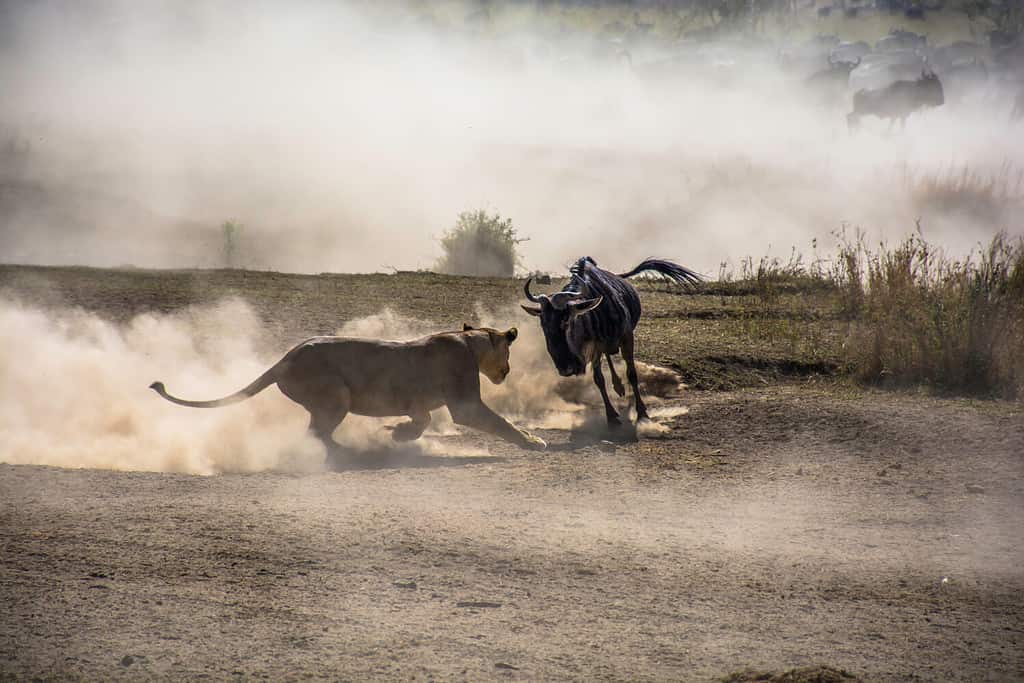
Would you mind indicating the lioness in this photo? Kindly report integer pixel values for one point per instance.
(333, 376)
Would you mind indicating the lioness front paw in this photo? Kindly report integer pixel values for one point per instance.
(534, 443)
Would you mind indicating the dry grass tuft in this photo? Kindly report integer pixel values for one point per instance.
(928, 319)
(987, 197)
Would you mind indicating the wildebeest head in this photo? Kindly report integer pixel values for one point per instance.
(840, 65)
(929, 89)
(557, 314)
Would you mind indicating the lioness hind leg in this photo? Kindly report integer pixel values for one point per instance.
(323, 423)
(413, 429)
(326, 412)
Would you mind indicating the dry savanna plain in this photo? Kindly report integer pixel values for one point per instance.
(775, 521)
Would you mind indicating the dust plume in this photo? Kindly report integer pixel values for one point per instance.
(349, 136)
(535, 395)
(75, 393)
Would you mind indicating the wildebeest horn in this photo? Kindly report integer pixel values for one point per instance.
(526, 288)
(560, 299)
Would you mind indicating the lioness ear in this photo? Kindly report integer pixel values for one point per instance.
(511, 334)
(466, 327)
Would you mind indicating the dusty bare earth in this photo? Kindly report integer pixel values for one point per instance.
(795, 524)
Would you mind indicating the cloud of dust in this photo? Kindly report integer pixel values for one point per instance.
(75, 393)
(529, 396)
(348, 137)
(537, 397)
(533, 396)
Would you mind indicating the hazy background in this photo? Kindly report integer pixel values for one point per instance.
(348, 136)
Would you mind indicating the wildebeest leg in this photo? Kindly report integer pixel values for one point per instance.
(413, 429)
(616, 382)
(627, 355)
(609, 409)
(475, 413)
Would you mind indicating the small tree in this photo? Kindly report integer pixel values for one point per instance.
(231, 231)
(480, 244)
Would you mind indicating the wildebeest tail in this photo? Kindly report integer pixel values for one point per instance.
(673, 271)
(261, 383)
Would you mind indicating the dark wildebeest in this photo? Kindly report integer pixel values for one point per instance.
(831, 83)
(849, 52)
(594, 316)
(900, 39)
(897, 100)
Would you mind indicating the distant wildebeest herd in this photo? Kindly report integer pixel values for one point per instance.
(901, 73)
(591, 319)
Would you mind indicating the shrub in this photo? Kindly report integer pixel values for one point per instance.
(480, 244)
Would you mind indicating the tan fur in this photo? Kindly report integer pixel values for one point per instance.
(333, 376)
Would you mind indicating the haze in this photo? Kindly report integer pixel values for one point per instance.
(347, 138)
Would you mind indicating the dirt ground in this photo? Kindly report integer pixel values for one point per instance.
(875, 533)
(801, 523)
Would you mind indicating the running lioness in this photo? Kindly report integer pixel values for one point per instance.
(333, 376)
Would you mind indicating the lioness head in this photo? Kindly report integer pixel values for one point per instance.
(491, 350)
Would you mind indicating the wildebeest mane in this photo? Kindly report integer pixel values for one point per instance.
(619, 297)
(607, 320)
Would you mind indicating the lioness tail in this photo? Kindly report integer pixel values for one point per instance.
(262, 382)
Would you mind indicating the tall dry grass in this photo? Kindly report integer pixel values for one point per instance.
(907, 314)
(990, 197)
(919, 317)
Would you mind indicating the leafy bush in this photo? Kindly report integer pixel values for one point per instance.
(480, 244)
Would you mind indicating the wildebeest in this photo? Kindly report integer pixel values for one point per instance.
(808, 57)
(965, 79)
(897, 100)
(849, 52)
(593, 316)
(900, 39)
(959, 52)
(878, 70)
(831, 83)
